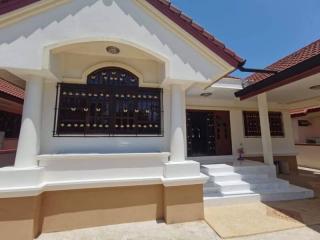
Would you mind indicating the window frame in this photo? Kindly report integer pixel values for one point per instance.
(273, 135)
(112, 114)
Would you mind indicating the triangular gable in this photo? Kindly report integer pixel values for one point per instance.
(174, 14)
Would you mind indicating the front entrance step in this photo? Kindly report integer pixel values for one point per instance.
(291, 193)
(252, 178)
(247, 182)
(228, 187)
(219, 200)
(257, 168)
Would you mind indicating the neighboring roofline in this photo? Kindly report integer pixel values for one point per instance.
(186, 23)
(297, 72)
(14, 5)
(11, 91)
(305, 112)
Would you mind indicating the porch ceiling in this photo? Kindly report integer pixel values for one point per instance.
(297, 93)
(221, 90)
(73, 61)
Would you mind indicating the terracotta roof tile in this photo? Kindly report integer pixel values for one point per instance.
(185, 17)
(198, 32)
(287, 62)
(11, 89)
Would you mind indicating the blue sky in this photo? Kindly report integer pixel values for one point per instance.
(261, 31)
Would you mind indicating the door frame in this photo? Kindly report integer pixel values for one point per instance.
(211, 111)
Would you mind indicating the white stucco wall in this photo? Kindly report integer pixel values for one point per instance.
(22, 44)
(52, 145)
(33, 46)
(302, 133)
(281, 146)
(252, 145)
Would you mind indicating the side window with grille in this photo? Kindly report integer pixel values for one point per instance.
(252, 124)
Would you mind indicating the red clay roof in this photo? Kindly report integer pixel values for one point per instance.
(198, 32)
(287, 62)
(304, 111)
(10, 89)
(174, 14)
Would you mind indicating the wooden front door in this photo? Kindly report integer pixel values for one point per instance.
(208, 133)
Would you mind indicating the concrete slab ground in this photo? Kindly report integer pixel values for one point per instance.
(304, 233)
(151, 230)
(185, 231)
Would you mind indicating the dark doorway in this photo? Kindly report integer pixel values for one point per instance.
(208, 133)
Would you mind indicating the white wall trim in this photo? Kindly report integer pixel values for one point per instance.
(81, 171)
(110, 40)
(37, 189)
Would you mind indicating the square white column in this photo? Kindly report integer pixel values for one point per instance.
(29, 138)
(265, 129)
(178, 110)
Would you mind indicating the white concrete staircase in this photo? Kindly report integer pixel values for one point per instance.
(249, 181)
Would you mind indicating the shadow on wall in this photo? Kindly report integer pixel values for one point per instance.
(7, 158)
(31, 25)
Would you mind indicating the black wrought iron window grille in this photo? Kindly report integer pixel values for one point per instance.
(252, 124)
(110, 104)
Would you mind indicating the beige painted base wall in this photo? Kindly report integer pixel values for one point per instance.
(25, 218)
(183, 203)
(19, 218)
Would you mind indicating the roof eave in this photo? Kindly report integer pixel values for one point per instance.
(302, 70)
(186, 23)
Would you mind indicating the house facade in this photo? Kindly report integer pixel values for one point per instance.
(124, 101)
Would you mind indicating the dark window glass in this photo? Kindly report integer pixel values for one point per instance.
(276, 124)
(10, 124)
(111, 103)
(252, 124)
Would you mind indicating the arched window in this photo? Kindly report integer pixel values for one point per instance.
(110, 104)
(113, 77)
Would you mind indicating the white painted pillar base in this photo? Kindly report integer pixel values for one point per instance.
(178, 109)
(178, 167)
(265, 129)
(29, 139)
